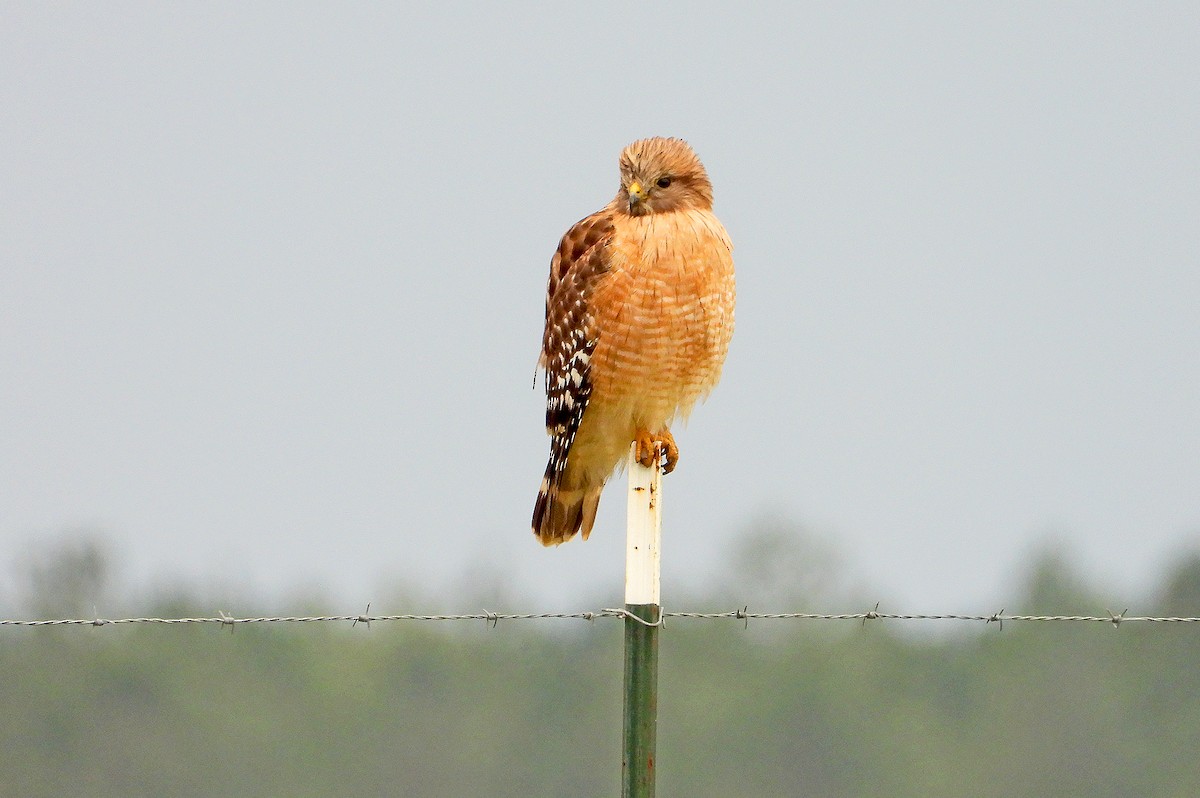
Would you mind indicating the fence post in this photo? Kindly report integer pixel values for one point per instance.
(642, 564)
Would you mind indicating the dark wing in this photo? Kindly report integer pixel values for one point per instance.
(581, 257)
(581, 260)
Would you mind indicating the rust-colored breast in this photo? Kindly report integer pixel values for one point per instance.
(663, 315)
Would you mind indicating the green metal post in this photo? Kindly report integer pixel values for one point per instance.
(643, 538)
(641, 702)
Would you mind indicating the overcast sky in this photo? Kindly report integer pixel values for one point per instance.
(272, 274)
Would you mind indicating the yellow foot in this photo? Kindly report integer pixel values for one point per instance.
(651, 446)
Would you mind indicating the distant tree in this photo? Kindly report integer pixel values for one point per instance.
(1181, 593)
(775, 563)
(1054, 586)
(71, 576)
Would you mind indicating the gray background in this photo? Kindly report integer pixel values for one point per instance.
(271, 284)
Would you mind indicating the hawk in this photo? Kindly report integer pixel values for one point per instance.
(639, 314)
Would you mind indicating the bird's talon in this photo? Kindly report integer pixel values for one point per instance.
(670, 451)
(658, 448)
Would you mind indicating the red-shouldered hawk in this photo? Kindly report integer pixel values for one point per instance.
(639, 313)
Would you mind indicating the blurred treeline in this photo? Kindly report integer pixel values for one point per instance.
(532, 708)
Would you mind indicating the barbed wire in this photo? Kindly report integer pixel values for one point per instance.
(493, 618)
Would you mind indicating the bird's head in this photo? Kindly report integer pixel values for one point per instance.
(661, 174)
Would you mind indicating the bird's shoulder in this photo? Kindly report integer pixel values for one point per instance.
(581, 252)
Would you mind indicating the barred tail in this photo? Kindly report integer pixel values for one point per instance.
(560, 513)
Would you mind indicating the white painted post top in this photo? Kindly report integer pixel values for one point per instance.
(643, 536)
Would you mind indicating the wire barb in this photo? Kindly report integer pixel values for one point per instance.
(998, 619)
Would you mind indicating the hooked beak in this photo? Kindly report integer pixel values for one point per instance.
(637, 194)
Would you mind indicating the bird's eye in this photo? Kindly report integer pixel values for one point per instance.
(663, 182)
